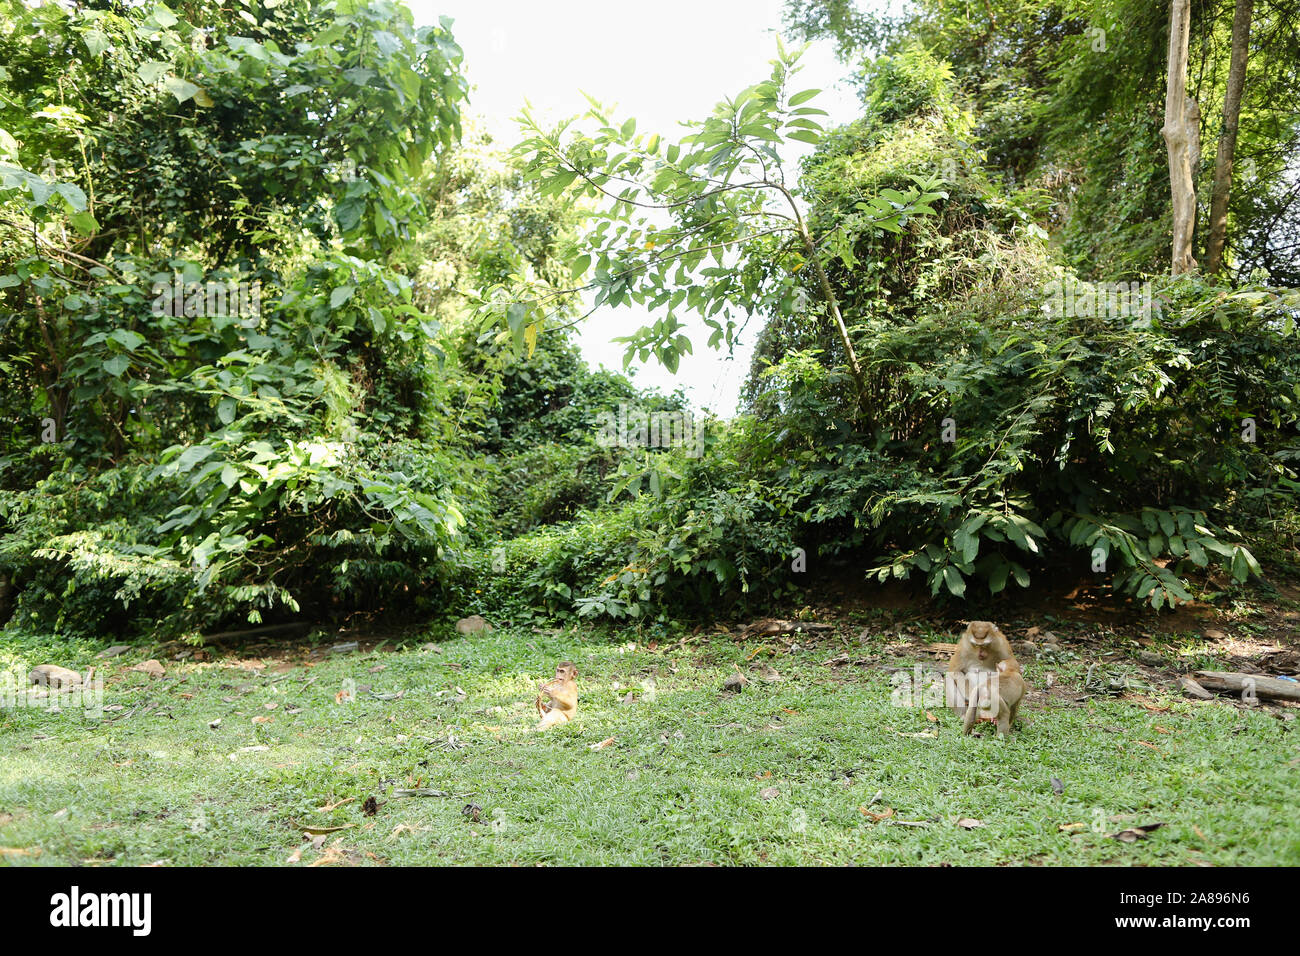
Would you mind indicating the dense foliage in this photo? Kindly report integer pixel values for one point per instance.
(281, 340)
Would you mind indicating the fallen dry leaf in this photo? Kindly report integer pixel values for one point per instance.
(602, 745)
(1071, 827)
(769, 793)
(330, 807)
(334, 854)
(1133, 834)
(20, 851)
(319, 831)
(969, 823)
(877, 817)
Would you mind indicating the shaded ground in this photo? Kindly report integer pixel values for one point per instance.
(811, 762)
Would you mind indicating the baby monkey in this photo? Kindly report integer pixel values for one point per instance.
(1011, 691)
(558, 700)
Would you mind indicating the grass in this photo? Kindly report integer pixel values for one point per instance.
(685, 781)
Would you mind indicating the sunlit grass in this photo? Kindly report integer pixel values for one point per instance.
(686, 779)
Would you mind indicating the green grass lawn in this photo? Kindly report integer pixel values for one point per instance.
(783, 772)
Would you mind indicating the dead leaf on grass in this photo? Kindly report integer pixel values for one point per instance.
(1133, 834)
(331, 807)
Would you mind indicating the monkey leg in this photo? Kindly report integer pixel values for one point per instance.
(1005, 716)
(551, 718)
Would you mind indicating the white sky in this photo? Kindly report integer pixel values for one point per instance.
(662, 63)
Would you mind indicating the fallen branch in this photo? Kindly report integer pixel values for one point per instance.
(1248, 684)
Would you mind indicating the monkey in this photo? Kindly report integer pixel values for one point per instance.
(1011, 690)
(981, 648)
(558, 700)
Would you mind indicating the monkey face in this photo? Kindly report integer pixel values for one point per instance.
(566, 672)
(980, 634)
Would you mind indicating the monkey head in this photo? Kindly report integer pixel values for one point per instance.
(981, 635)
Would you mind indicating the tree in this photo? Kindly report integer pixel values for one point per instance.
(1182, 136)
(663, 210)
(1223, 160)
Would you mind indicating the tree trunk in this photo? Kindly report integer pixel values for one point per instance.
(1228, 138)
(1182, 136)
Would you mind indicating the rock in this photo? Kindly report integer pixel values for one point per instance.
(1214, 634)
(1192, 689)
(347, 647)
(52, 675)
(115, 651)
(1027, 648)
(1151, 658)
(473, 625)
(151, 667)
(1049, 638)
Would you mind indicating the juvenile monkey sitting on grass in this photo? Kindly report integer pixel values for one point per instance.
(1010, 692)
(558, 700)
(984, 660)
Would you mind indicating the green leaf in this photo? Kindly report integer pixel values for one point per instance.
(84, 223)
(164, 17)
(341, 295)
(126, 338)
(151, 71)
(805, 136)
(181, 89)
(800, 98)
(72, 194)
(955, 582)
